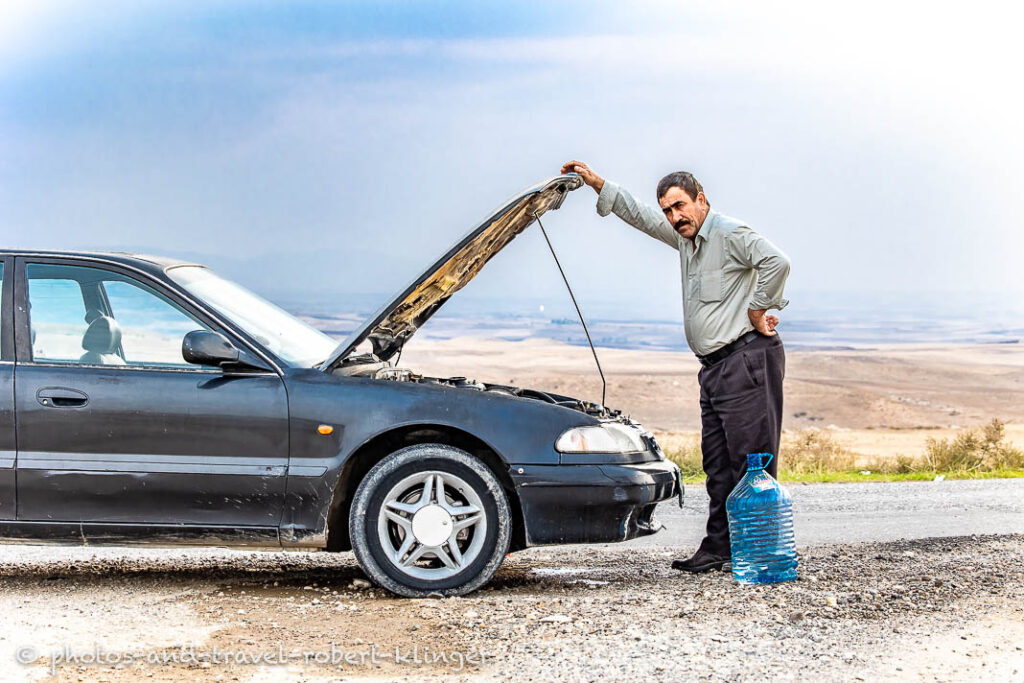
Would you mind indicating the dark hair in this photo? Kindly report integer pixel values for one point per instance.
(685, 181)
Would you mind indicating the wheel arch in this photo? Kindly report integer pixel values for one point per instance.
(380, 446)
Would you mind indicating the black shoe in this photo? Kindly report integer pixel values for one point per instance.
(702, 561)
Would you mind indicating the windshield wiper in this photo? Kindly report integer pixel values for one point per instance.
(604, 384)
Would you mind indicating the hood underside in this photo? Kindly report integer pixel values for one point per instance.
(396, 322)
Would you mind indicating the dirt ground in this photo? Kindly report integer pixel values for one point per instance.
(934, 609)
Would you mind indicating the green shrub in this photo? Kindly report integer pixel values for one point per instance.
(808, 452)
(974, 450)
(815, 455)
(686, 454)
(813, 451)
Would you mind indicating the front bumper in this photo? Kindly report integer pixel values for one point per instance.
(593, 503)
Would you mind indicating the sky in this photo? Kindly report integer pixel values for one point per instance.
(326, 152)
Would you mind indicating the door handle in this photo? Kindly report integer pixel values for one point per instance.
(61, 397)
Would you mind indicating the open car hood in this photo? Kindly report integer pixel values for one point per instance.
(396, 322)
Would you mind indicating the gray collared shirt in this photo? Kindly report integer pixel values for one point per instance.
(726, 270)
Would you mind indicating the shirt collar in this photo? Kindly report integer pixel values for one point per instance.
(705, 227)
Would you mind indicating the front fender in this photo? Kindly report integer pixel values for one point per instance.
(519, 431)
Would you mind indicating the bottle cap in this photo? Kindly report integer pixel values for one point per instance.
(758, 461)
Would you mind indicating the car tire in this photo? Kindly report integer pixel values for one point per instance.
(430, 519)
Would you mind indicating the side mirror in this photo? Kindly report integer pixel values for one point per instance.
(203, 347)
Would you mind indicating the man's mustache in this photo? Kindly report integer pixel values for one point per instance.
(681, 222)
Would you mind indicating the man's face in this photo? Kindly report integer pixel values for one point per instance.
(684, 213)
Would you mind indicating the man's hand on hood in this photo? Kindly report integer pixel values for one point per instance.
(589, 177)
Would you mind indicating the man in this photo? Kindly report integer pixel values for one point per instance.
(731, 277)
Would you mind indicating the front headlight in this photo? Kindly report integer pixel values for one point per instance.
(603, 438)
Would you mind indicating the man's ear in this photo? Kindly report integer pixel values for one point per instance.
(702, 200)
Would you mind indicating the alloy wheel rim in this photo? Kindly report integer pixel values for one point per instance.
(432, 525)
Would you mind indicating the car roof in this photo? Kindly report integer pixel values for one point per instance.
(152, 264)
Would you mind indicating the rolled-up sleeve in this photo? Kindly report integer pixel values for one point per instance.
(643, 217)
(772, 266)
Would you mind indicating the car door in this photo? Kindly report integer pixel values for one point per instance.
(7, 435)
(113, 426)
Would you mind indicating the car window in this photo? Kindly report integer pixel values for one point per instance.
(58, 319)
(92, 316)
(152, 328)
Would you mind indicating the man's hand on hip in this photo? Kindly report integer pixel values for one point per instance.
(765, 324)
(589, 177)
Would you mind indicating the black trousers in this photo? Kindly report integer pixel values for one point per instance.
(741, 413)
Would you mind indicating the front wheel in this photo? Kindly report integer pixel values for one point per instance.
(429, 519)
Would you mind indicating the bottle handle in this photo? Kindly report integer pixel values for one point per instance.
(771, 456)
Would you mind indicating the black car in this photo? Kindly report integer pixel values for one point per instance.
(146, 400)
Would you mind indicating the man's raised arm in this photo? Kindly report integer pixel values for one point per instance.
(612, 198)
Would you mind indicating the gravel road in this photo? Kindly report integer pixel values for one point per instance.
(925, 609)
(884, 511)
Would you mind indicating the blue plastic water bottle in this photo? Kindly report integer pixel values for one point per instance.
(761, 526)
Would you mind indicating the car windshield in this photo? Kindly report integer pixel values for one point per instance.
(284, 335)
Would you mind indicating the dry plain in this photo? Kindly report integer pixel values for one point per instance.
(877, 401)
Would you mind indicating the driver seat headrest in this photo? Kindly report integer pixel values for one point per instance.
(101, 340)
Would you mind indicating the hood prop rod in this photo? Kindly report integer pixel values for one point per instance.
(604, 384)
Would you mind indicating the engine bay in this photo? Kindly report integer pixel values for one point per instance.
(371, 367)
